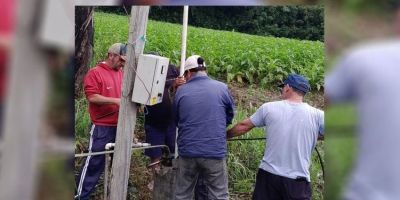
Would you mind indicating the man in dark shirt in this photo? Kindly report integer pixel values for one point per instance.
(159, 125)
(202, 109)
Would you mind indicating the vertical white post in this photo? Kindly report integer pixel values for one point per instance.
(184, 36)
(183, 58)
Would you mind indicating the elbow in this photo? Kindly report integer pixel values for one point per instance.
(91, 99)
(321, 137)
(244, 128)
(248, 129)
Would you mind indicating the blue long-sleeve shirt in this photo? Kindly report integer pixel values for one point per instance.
(203, 108)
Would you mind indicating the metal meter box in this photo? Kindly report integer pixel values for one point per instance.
(150, 78)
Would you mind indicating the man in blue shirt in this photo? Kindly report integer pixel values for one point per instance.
(203, 108)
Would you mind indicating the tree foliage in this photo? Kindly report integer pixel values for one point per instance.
(298, 22)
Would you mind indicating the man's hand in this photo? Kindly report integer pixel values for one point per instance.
(140, 108)
(179, 81)
(135, 139)
(117, 101)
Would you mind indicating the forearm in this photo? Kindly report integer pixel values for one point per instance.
(101, 100)
(5, 41)
(238, 130)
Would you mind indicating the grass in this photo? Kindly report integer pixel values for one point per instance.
(242, 170)
(340, 148)
(82, 121)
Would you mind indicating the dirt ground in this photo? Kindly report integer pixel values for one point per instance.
(246, 96)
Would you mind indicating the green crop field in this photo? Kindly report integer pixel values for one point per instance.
(229, 55)
(258, 62)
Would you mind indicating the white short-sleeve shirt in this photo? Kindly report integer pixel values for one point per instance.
(369, 76)
(292, 131)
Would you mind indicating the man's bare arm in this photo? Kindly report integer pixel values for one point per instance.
(240, 128)
(101, 100)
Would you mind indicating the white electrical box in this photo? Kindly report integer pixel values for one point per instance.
(150, 78)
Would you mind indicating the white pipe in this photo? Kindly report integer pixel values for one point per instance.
(183, 58)
(134, 145)
(108, 159)
(139, 144)
(184, 36)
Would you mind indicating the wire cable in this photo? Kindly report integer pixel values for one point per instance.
(321, 162)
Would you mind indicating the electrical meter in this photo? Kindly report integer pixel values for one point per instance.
(150, 78)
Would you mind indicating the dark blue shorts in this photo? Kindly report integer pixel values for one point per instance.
(271, 186)
(159, 136)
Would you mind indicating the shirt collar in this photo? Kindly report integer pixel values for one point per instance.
(105, 66)
(199, 76)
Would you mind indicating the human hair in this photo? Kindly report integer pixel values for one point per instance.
(197, 69)
(299, 92)
(109, 53)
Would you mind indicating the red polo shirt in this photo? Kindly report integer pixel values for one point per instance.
(6, 29)
(105, 81)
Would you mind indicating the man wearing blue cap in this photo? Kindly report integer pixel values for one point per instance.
(293, 128)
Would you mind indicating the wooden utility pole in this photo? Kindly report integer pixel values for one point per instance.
(127, 110)
(27, 90)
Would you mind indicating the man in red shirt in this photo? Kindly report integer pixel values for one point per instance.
(102, 85)
(7, 20)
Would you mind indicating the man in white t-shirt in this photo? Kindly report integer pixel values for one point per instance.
(293, 128)
(368, 76)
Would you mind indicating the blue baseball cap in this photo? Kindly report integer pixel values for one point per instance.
(298, 82)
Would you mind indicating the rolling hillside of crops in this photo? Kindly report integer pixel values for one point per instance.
(231, 56)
